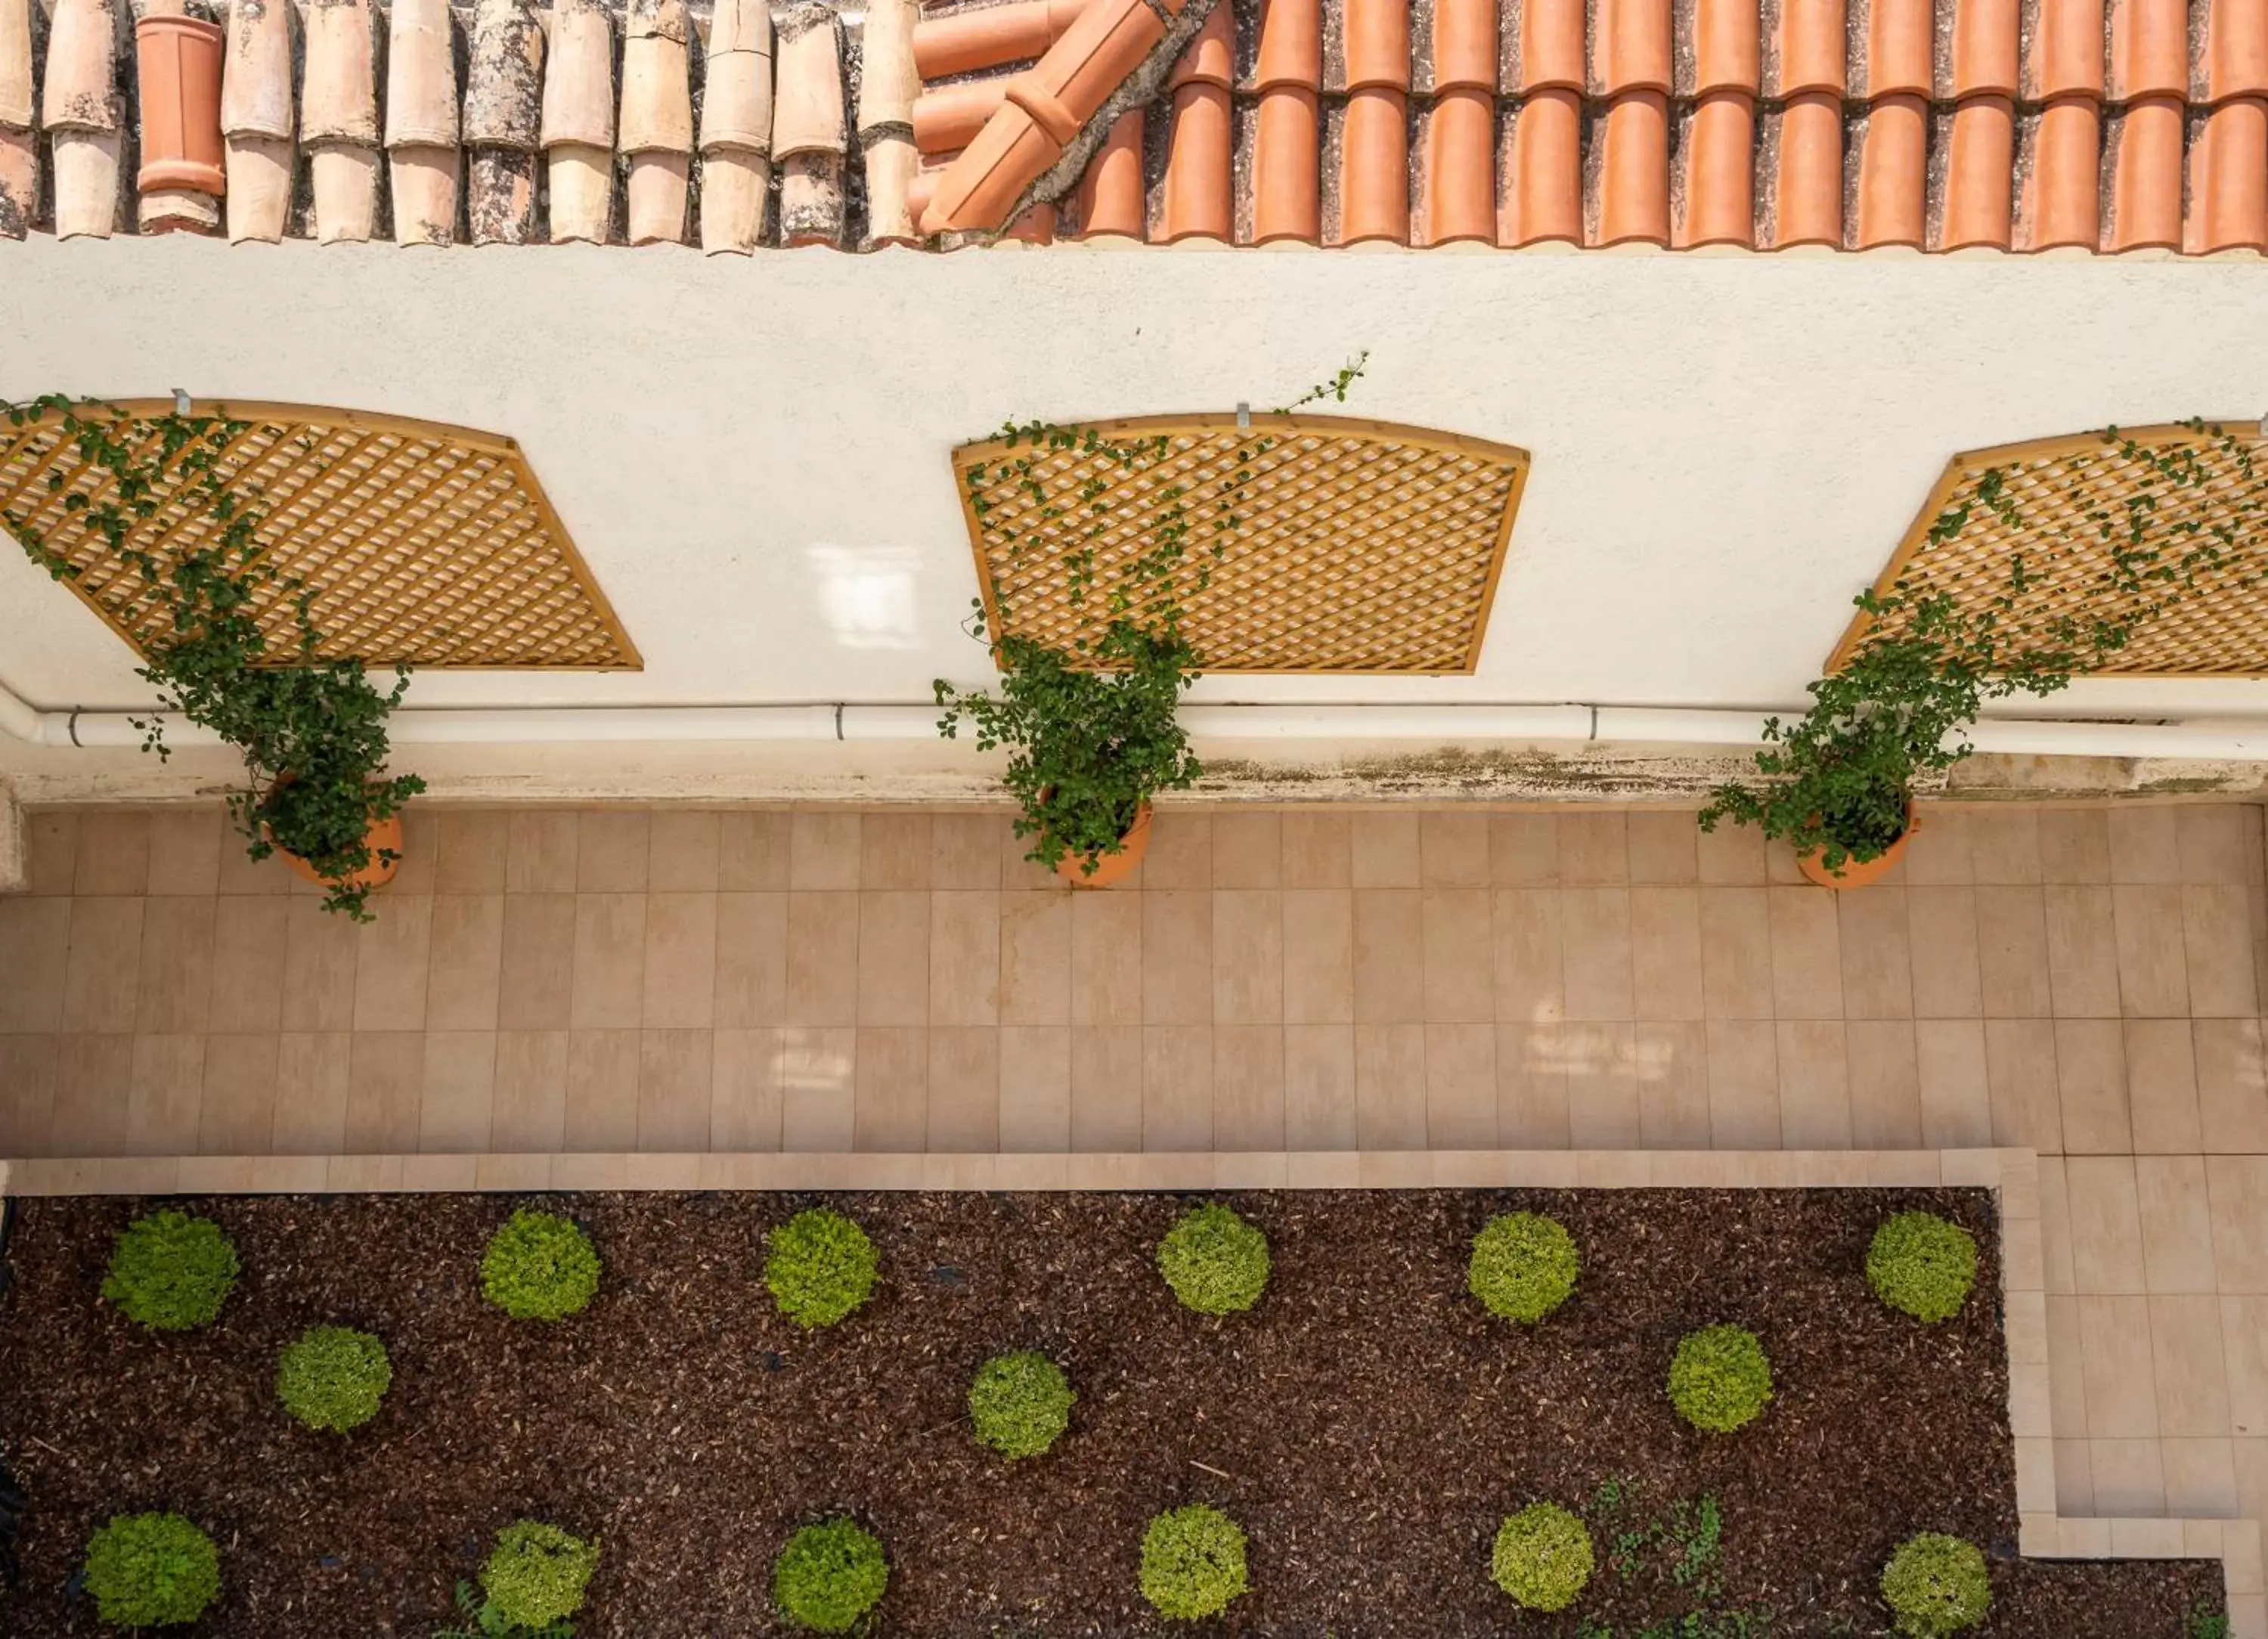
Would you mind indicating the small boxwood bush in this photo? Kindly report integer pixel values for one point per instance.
(171, 1272)
(1936, 1585)
(536, 1574)
(1193, 1561)
(829, 1575)
(1921, 1264)
(1524, 1265)
(1021, 1403)
(1720, 1379)
(539, 1267)
(820, 1267)
(1215, 1261)
(332, 1378)
(1542, 1557)
(152, 1570)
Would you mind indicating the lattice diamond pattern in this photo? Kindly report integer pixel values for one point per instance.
(428, 544)
(1360, 547)
(2062, 490)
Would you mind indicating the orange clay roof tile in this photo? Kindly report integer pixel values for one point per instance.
(1290, 51)
(1715, 201)
(1550, 45)
(2145, 146)
(1979, 164)
(1811, 47)
(1726, 47)
(2065, 54)
(2149, 48)
(1807, 179)
(2229, 176)
(2061, 200)
(1541, 180)
(1112, 199)
(2236, 49)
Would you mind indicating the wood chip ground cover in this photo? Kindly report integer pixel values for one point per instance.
(1368, 1424)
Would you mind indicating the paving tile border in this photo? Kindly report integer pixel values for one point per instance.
(2012, 1174)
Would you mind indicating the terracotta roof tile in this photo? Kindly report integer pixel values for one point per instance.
(1726, 48)
(985, 37)
(1286, 181)
(2061, 194)
(1893, 173)
(1542, 177)
(1807, 177)
(2144, 149)
(1112, 199)
(1630, 47)
(1200, 189)
(1290, 48)
(1984, 49)
(2228, 177)
(1715, 196)
(1980, 162)
(2149, 48)
(1629, 165)
(1373, 188)
(1811, 47)
(2066, 53)
(1549, 39)
(1457, 202)
(2236, 49)
(1900, 58)
(1468, 45)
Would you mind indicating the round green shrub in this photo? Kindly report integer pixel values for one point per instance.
(1524, 1265)
(1542, 1557)
(536, 1574)
(539, 1267)
(1720, 1379)
(1021, 1403)
(829, 1575)
(332, 1378)
(820, 1267)
(152, 1570)
(1921, 1264)
(1936, 1585)
(1215, 1261)
(1193, 1561)
(171, 1272)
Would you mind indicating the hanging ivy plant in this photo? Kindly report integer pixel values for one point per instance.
(1839, 780)
(311, 731)
(1092, 730)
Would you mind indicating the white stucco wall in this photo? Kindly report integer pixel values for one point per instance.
(751, 453)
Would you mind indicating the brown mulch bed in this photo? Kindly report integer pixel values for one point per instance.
(1368, 1424)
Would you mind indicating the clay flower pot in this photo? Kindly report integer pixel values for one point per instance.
(1856, 874)
(1109, 868)
(383, 835)
(180, 61)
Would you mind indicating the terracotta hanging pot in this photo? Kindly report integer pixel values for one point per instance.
(384, 835)
(179, 61)
(1109, 868)
(1858, 873)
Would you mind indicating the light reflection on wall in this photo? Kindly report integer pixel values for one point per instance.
(866, 595)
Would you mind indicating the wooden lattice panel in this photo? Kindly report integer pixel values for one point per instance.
(1360, 547)
(2057, 497)
(423, 543)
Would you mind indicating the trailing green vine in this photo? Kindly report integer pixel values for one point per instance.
(311, 731)
(1839, 779)
(1092, 729)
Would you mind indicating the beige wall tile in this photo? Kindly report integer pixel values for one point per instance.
(1744, 1110)
(2153, 978)
(2128, 1477)
(1594, 932)
(744, 1090)
(2177, 1224)
(2075, 1485)
(2200, 1477)
(537, 962)
(602, 1091)
(751, 978)
(1177, 957)
(540, 849)
(177, 947)
(1248, 956)
(2106, 1226)
(1806, 953)
(50, 851)
(184, 852)
(1815, 1085)
(822, 959)
(1736, 958)
(818, 1089)
(2217, 946)
(1532, 1104)
(2244, 1338)
(1875, 947)
(2020, 1070)
(114, 853)
(103, 976)
(823, 851)
(1389, 956)
(2114, 1353)
(613, 851)
(1602, 1094)
(2232, 1084)
(894, 850)
(1384, 850)
(2161, 1091)
(322, 953)
(1594, 849)
(684, 851)
(609, 991)
(457, 1106)
(2238, 1185)
(1106, 959)
(754, 850)
(1524, 850)
(528, 1106)
(1956, 1098)
(2188, 1364)
(2055, 1226)
(236, 1111)
(2145, 844)
(248, 962)
(2215, 841)
(680, 961)
(2091, 1072)
(313, 1071)
(964, 1090)
(1319, 1091)
(1666, 951)
(1943, 923)
(893, 952)
(2074, 845)
(28, 1070)
(2012, 953)
(464, 991)
(1885, 1084)
(1177, 1089)
(1452, 850)
(964, 960)
(94, 1084)
(1458, 977)
(2003, 845)
(1247, 1088)
(386, 1092)
(1180, 852)
(2083, 951)
(2066, 1375)
(1034, 932)
(1731, 855)
(1035, 1088)
(1389, 1086)
(675, 1090)
(1248, 849)
(893, 1082)
(1318, 955)
(1663, 850)
(1106, 1087)
(1318, 850)
(1669, 1062)
(1526, 933)
(469, 850)
(1460, 1086)
(1940, 854)
(965, 850)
